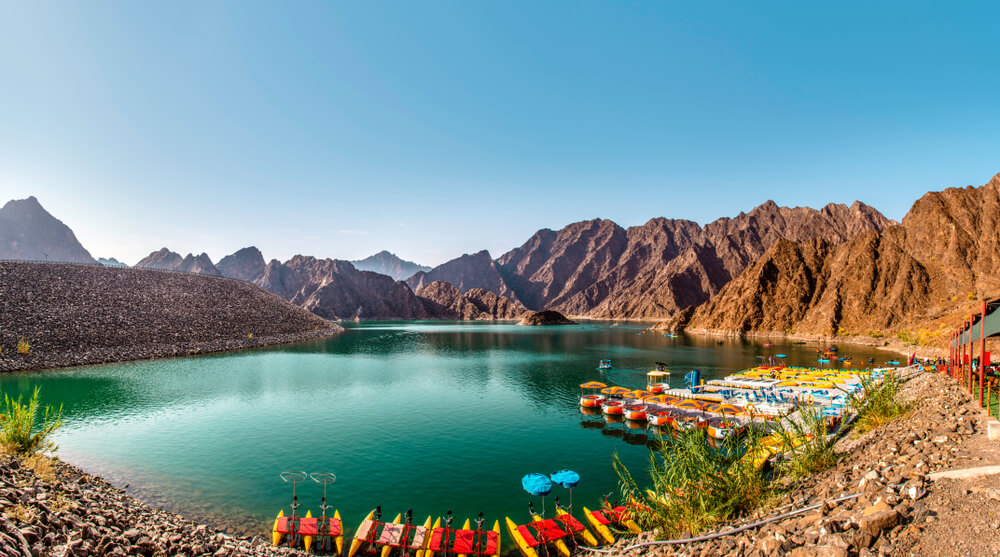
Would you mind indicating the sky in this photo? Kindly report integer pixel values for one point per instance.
(432, 129)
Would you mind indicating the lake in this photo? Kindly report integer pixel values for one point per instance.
(424, 415)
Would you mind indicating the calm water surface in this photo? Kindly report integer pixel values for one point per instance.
(424, 415)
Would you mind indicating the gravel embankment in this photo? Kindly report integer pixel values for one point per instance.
(71, 513)
(901, 511)
(76, 315)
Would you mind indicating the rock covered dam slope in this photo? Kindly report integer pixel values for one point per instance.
(70, 315)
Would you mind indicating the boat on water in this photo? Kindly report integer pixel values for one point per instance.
(658, 380)
(590, 395)
(636, 412)
(307, 530)
(723, 428)
(613, 407)
(604, 364)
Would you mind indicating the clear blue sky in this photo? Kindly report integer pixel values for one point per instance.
(432, 129)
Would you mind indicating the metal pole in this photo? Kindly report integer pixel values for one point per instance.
(982, 351)
(972, 348)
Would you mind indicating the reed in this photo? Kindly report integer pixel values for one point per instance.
(879, 402)
(694, 485)
(18, 433)
(806, 444)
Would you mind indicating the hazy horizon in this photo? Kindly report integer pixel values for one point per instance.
(436, 129)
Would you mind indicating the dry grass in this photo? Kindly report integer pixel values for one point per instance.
(61, 503)
(22, 513)
(43, 467)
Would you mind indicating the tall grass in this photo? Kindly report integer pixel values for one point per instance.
(694, 485)
(879, 402)
(805, 443)
(17, 425)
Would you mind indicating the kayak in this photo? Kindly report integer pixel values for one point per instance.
(386, 548)
(361, 534)
(576, 527)
(522, 545)
(599, 527)
(307, 540)
(561, 546)
(275, 535)
(430, 552)
(427, 538)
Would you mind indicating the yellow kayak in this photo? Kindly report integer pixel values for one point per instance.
(430, 552)
(584, 534)
(361, 534)
(518, 539)
(427, 538)
(339, 540)
(307, 541)
(601, 529)
(496, 528)
(465, 526)
(387, 549)
(275, 536)
(561, 546)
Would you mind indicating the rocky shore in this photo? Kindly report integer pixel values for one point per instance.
(49, 508)
(902, 506)
(69, 315)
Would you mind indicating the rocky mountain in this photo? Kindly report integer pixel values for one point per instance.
(337, 290)
(246, 264)
(477, 270)
(166, 260)
(597, 268)
(917, 279)
(29, 232)
(389, 264)
(110, 262)
(445, 301)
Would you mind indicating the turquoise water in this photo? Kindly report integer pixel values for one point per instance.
(424, 415)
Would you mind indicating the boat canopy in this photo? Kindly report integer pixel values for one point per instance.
(593, 385)
(658, 373)
(615, 390)
(536, 484)
(566, 478)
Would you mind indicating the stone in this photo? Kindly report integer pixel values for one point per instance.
(875, 523)
(993, 430)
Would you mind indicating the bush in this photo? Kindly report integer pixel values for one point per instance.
(23, 347)
(694, 485)
(17, 425)
(806, 444)
(879, 402)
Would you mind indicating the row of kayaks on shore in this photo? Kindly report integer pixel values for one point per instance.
(562, 534)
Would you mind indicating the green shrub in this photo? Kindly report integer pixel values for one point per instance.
(805, 442)
(694, 485)
(17, 425)
(879, 402)
(23, 347)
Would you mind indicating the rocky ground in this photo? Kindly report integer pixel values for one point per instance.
(902, 509)
(49, 508)
(75, 314)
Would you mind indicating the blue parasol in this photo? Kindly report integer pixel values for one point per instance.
(568, 479)
(537, 484)
(565, 478)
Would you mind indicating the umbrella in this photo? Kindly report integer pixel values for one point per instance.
(537, 484)
(691, 403)
(724, 408)
(615, 390)
(661, 399)
(637, 394)
(593, 385)
(566, 478)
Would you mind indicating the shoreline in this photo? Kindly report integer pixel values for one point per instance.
(163, 352)
(889, 344)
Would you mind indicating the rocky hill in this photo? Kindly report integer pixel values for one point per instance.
(29, 232)
(166, 260)
(334, 289)
(477, 270)
(445, 301)
(110, 262)
(74, 314)
(916, 280)
(246, 264)
(386, 263)
(597, 268)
